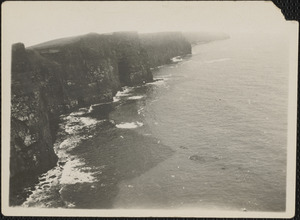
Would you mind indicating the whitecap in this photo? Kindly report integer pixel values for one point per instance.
(116, 99)
(157, 67)
(87, 121)
(216, 60)
(157, 81)
(39, 193)
(74, 124)
(125, 91)
(72, 128)
(120, 93)
(95, 105)
(164, 76)
(140, 110)
(176, 59)
(81, 112)
(135, 97)
(73, 173)
(70, 204)
(68, 143)
(69, 169)
(129, 125)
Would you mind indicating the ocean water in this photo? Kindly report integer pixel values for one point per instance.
(209, 133)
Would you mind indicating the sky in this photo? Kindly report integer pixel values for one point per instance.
(36, 22)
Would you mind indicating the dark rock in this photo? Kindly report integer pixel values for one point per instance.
(18, 48)
(203, 159)
(197, 158)
(42, 184)
(61, 163)
(183, 147)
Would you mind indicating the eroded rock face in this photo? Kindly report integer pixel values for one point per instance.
(31, 140)
(58, 76)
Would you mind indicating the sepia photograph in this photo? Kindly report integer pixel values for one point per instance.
(152, 108)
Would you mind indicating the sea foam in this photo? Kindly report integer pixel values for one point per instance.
(129, 125)
(157, 81)
(125, 92)
(135, 97)
(176, 59)
(216, 60)
(75, 172)
(70, 169)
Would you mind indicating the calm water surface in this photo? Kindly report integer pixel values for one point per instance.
(210, 134)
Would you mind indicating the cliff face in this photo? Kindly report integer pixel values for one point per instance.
(61, 75)
(31, 137)
(161, 47)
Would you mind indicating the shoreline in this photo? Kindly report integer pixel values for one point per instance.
(91, 106)
(88, 175)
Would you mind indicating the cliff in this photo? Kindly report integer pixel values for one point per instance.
(161, 47)
(31, 137)
(204, 37)
(59, 76)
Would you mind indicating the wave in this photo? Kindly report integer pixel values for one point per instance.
(157, 81)
(81, 111)
(176, 59)
(116, 99)
(129, 125)
(165, 76)
(135, 97)
(125, 92)
(75, 171)
(140, 110)
(75, 124)
(95, 105)
(216, 60)
(70, 169)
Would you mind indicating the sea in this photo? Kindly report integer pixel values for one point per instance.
(209, 133)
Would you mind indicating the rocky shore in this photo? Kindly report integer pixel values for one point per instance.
(58, 76)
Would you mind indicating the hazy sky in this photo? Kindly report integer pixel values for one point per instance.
(36, 22)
